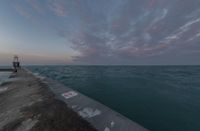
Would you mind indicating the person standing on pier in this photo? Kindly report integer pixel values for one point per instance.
(16, 63)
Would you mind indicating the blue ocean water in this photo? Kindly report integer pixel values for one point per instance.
(160, 98)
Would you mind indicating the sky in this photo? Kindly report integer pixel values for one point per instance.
(100, 32)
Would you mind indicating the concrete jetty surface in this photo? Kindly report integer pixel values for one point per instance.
(28, 104)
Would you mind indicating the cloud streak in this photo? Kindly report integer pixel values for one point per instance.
(22, 11)
(116, 30)
(36, 6)
(58, 7)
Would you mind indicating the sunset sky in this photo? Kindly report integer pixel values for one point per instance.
(122, 32)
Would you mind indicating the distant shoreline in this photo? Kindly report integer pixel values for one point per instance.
(143, 65)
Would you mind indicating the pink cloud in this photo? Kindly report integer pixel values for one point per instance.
(23, 12)
(58, 7)
(36, 6)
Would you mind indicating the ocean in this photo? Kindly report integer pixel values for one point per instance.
(4, 76)
(160, 98)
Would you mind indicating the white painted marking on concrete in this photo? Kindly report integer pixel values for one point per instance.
(89, 112)
(107, 129)
(78, 108)
(69, 94)
(74, 106)
(3, 89)
(112, 124)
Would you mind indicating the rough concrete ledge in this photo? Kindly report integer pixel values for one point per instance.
(100, 116)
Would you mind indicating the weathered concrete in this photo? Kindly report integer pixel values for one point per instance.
(100, 116)
(27, 104)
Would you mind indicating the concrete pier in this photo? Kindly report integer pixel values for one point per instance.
(100, 116)
(32, 102)
(27, 104)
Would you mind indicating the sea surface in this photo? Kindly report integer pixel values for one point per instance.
(4, 76)
(160, 98)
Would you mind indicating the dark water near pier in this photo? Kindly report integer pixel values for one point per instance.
(160, 98)
(4, 76)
